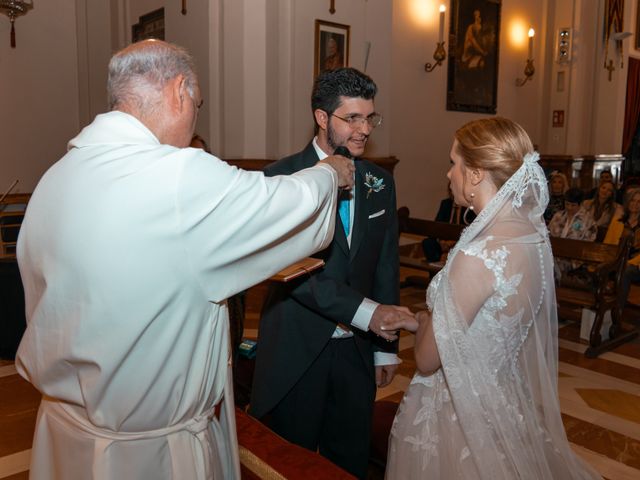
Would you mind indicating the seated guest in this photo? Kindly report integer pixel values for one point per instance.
(575, 223)
(448, 212)
(605, 176)
(558, 185)
(630, 219)
(603, 206)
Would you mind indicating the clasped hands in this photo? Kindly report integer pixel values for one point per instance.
(388, 319)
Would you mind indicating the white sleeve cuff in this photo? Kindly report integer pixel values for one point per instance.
(363, 315)
(385, 358)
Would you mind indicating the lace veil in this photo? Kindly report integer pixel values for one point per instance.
(494, 404)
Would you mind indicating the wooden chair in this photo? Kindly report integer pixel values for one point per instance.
(12, 209)
(605, 267)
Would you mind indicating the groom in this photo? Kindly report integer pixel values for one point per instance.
(321, 347)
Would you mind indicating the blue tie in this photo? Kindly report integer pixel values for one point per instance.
(345, 212)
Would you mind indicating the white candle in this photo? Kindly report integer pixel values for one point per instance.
(531, 34)
(441, 35)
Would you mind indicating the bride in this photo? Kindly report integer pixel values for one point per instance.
(484, 401)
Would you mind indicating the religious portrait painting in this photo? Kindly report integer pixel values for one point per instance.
(331, 46)
(474, 37)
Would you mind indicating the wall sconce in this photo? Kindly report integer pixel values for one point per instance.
(14, 9)
(439, 55)
(529, 69)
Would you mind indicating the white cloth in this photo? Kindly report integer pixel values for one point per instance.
(127, 253)
(492, 410)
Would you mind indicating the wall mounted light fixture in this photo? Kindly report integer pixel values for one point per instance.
(14, 9)
(529, 69)
(439, 55)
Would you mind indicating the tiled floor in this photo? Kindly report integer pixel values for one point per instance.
(600, 398)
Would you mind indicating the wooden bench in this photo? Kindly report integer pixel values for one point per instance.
(12, 208)
(412, 256)
(606, 268)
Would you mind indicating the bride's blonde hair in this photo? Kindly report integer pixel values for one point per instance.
(496, 145)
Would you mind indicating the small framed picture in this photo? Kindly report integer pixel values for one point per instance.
(331, 46)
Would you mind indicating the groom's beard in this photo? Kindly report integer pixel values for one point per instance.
(334, 140)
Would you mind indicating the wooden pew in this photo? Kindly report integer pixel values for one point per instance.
(607, 264)
(424, 228)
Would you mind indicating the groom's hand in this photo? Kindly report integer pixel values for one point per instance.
(384, 374)
(409, 322)
(385, 315)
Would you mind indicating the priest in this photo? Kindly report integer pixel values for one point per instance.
(130, 245)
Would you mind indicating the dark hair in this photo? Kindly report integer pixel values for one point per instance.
(330, 85)
(197, 138)
(574, 195)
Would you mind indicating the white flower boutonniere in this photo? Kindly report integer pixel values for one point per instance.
(374, 184)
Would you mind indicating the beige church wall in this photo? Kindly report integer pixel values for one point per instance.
(268, 71)
(255, 61)
(609, 101)
(38, 92)
(593, 105)
(421, 127)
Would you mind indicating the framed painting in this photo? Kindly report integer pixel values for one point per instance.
(638, 26)
(474, 37)
(331, 46)
(150, 25)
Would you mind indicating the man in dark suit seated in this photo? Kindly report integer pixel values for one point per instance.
(321, 347)
(448, 212)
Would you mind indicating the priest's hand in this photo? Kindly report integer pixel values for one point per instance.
(344, 168)
(386, 316)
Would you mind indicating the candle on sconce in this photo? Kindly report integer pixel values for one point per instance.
(532, 32)
(441, 34)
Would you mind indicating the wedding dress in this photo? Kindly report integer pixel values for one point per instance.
(491, 411)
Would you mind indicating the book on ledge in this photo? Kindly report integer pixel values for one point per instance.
(306, 265)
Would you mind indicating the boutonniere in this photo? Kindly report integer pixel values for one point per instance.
(374, 184)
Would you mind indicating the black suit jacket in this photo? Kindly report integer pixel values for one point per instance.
(299, 317)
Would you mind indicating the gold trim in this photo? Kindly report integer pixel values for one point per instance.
(258, 466)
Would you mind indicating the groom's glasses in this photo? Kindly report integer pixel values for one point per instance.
(374, 120)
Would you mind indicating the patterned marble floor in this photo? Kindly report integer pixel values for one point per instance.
(600, 398)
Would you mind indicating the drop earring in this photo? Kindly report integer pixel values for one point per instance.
(468, 209)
